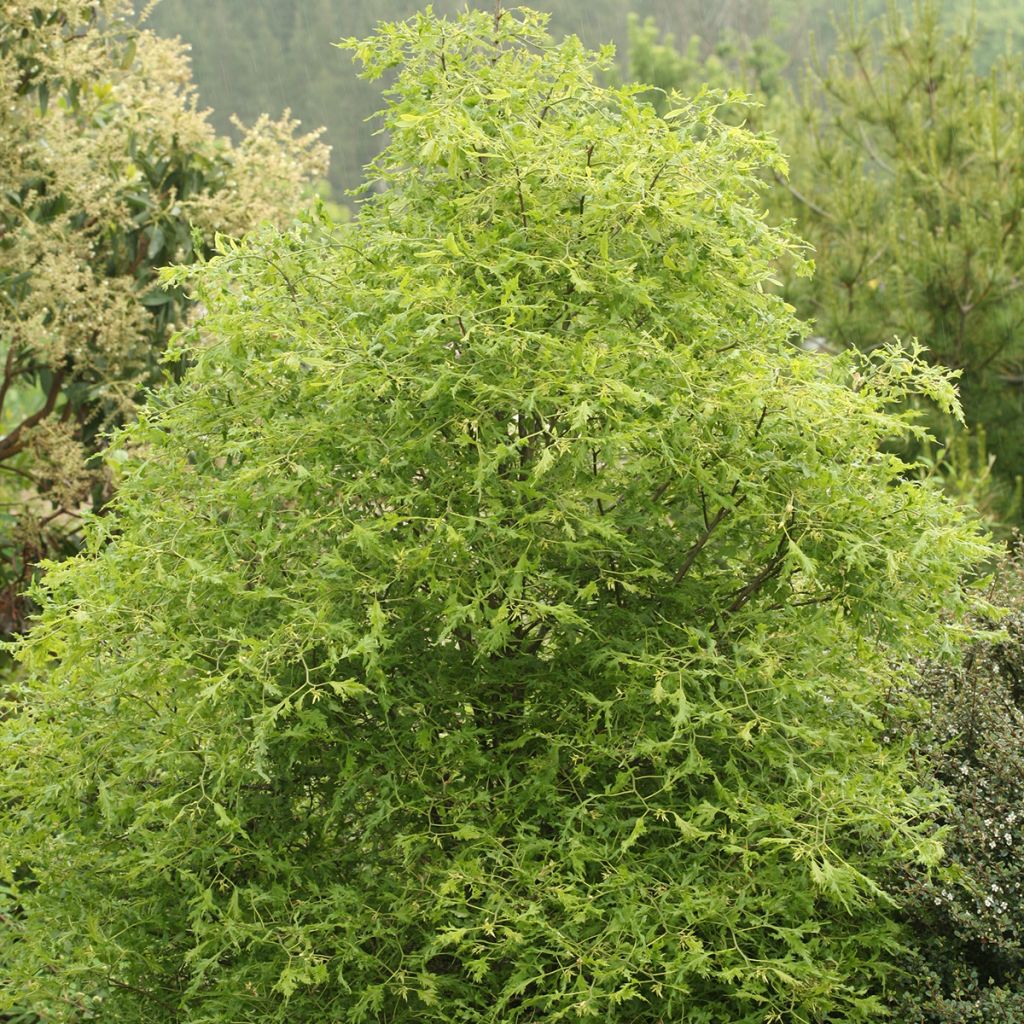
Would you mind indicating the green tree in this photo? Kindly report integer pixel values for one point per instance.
(257, 55)
(107, 171)
(910, 168)
(734, 63)
(907, 177)
(492, 621)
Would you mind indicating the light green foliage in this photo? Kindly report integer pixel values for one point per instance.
(257, 55)
(491, 623)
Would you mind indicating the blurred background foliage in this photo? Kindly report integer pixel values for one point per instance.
(251, 56)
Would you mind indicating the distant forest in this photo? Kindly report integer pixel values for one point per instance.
(251, 56)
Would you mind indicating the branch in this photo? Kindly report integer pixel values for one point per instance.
(801, 198)
(142, 992)
(768, 572)
(11, 444)
(8, 375)
(519, 190)
(657, 175)
(698, 544)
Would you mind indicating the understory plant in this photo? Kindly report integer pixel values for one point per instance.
(490, 624)
(965, 964)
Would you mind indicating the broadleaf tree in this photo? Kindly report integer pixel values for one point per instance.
(109, 170)
(491, 624)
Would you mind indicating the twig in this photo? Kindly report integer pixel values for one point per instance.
(698, 544)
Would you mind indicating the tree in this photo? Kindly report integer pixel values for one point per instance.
(285, 57)
(906, 180)
(109, 171)
(909, 168)
(493, 620)
(734, 62)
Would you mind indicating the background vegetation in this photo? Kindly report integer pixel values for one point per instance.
(109, 172)
(252, 56)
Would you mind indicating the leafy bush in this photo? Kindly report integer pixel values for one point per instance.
(967, 923)
(109, 172)
(491, 621)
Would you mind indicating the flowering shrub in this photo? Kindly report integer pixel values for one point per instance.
(110, 170)
(967, 922)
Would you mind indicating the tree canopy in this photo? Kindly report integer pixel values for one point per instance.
(492, 623)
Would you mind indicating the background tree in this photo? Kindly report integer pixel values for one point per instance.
(492, 620)
(912, 168)
(907, 180)
(105, 162)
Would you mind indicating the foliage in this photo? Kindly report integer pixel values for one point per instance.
(963, 466)
(910, 169)
(105, 162)
(967, 962)
(256, 55)
(735, 62)
(491, 620)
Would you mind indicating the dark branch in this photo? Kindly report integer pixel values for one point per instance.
(12, 443)
(756, 582)
(698, 544)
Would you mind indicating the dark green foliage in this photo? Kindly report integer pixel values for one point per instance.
(967, 965)
(491, 622)
(733, 63)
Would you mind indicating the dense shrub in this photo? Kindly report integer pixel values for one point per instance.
(491, 621)
(967, 923)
